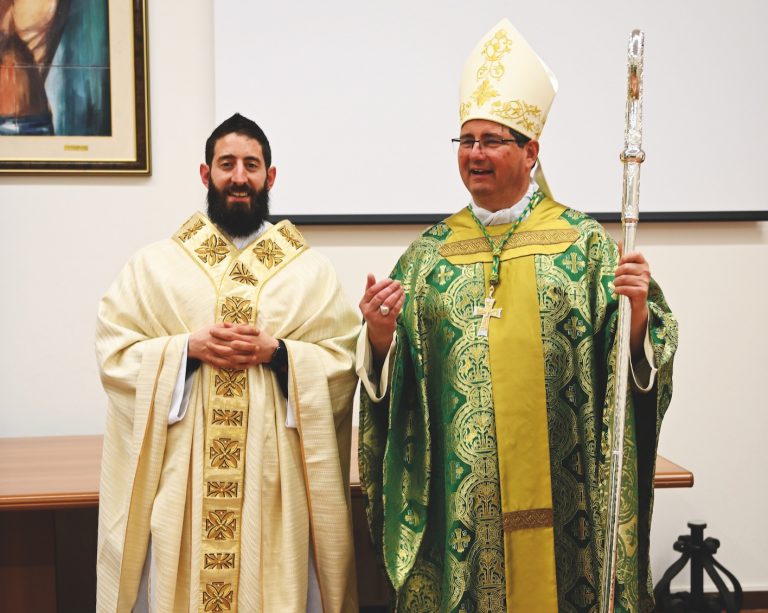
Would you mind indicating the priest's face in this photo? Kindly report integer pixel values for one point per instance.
(238, 185)
(496, 176)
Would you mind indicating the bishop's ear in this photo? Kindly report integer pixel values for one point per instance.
(532, 152)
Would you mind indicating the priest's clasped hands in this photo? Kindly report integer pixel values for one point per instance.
(229, 345)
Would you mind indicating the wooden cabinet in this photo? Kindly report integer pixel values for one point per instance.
(49, 496)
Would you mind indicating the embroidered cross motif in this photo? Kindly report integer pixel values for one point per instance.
(575, 328)
(221, 525)
(486, 312)
(225, 453)
(459, 540)
(218, 596)
(444, 275)
(574, 263)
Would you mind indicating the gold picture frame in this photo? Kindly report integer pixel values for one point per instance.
(103, 131)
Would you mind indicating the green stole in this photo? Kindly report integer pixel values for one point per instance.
(519, 397)
(238, 277)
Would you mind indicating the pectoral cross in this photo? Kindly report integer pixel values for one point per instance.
(487, 312)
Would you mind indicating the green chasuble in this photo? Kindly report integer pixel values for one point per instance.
(486, 466)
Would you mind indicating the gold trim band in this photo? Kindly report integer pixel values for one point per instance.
(238, 275)
(528, 519)
(523, 239)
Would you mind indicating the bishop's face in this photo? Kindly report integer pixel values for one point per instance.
(238, 183)
(497, 178)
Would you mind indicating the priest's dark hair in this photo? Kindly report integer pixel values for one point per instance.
(237, 124)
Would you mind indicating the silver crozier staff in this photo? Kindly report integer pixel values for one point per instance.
(632, 157)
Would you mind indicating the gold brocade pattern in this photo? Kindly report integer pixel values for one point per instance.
(473, 538)
(239, 275)
(517, 240)
(444, 552)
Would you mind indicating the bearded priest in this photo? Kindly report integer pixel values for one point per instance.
(227, 355)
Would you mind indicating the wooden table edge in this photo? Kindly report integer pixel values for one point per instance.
(668, 475)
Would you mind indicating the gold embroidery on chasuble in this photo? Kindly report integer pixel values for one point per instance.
(570, 315)
(519, 410)
(238, 276)
(479, 245)
(472, 575)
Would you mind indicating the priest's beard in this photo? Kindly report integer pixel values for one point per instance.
(239, 219)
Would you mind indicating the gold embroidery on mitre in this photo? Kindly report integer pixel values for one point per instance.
(464, 109)
(484, 93)
(509, 81)
(528, 116)
(494, 49)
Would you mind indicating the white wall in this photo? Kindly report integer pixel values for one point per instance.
(65, 238)
(379, 71)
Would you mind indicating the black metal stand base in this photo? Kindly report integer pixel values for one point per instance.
(700, 552)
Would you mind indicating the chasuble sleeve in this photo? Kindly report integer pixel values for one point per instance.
(133, 325)
(376, 384)
(394, 444)
(139, 356)
(319, 331)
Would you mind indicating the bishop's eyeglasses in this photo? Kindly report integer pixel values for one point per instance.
(467, 143)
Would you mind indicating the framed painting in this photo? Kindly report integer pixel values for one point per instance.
(74, 91)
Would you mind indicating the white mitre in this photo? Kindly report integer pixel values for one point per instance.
(506, 82)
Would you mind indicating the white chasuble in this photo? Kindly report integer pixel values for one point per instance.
(233, 500)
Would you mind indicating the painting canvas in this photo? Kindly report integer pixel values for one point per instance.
(62, 86)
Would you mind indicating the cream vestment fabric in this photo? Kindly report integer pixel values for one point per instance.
(295, 483)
